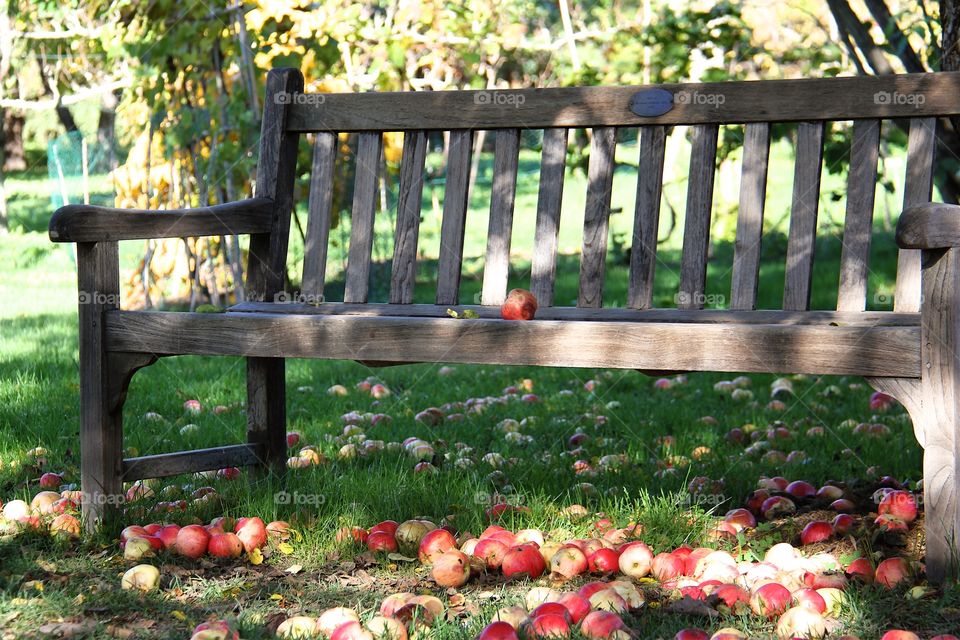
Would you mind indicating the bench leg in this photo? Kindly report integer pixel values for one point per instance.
(267, 412)
(940, 397)
(101, 427)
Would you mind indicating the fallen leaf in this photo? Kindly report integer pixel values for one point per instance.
(68, 629)
(691, 606)
(256, 557)
(295, 568)
(399, 557)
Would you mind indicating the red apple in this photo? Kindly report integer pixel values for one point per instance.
(351, 630)
(892, 572)
(816, 531)
(551, 608)
(278, 530)
(51, 480)
(742, 518)
(568, 562)
(225, 545)
(862, 569)
(521, 560)
(434, 544)
(390, 526)
(577, 606)
(519, 305)
(899, 504)
(451, 569)
(168, 535)
(491, 551)
(334, 618)
(733, 596)
(842, 504)
(810, 599)
(770, 600)
(382, 541)
(192, 541)
(251, 532)
(777, 506)
(601, 624)
(666, 566)
(214, 630)
(899, 634)
(691, 634)
(801, 489)
(498, 631)
(587, 590)
(843, 523)
(636, 558)
(133, 531)
(548, 626)
(293, 439)
(604, 561)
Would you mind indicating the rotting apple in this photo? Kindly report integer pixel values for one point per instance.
(520, 304)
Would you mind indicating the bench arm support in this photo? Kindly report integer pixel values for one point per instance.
(929, 226)
(90, 223)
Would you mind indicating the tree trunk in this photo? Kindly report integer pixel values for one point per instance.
(13, 157)
(950, 35)
(66, 118)
(106, 126)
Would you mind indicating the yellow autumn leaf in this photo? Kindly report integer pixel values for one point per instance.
(179, 615)
(285, 548)
(256, 557)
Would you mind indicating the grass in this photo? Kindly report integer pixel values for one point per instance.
(46, 581)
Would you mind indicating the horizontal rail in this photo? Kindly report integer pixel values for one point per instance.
(813, 349)
(90, 223)
(702, 316)
(172, 464)
(890, 96)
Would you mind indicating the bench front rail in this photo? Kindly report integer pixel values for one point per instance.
(910, 352)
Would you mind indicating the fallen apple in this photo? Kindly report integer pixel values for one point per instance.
(434, 544)
(601, 624)
(143, 577)
(382, 541)
(386, 628)
(522, 560)
(770, 600)
(331, 619)
(606, 561)
(816, 531)
(225, 545)
(299, 627)
(192, 541)
(568, 562)
(252, 532)
(520, 304)
(635, 560)
(498, 630)
(892, 572)
(801, 622)
(451, 569)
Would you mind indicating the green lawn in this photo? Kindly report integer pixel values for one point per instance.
(44, 581)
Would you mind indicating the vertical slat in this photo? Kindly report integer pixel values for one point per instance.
(267, 266)
(408, 217)
(696, 228)
(101, 430)
(496, 266)
(646, 218)
(552, 167)
(753, 191)
(596, 217)
(319, 209)
(858, 223)
(918, 187)
(803, 216)
(459, 153)
(365, 193)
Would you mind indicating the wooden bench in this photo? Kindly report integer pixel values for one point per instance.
(910, 352)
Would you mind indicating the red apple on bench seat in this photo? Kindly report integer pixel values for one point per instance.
(519, 305)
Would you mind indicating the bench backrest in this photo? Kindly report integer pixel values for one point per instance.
(913, 101)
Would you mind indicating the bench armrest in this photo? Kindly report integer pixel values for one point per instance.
(929, 226)
(89, 223)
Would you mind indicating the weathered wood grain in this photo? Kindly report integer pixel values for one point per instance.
(404, 275)
(918, 187)
(319, 215)
(753, 192)
(929, 226)
(496, 266)
(267, 266)
(909, 393)
(646, 218)
(365, 194)
(90, 223)
(596, 217)
(941, 411)
(803, 216)
(455, 195)
(552, 168)
(846, 350)
(729, 102)
(171, 464)
(607, 314)
(696, 227)
(858, 224)
(101, 418)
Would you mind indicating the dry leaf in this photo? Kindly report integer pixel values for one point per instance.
(295, 568)
(68, 629)
(285, 548)
(256, 557)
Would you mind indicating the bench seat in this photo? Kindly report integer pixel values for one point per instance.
(775, 341)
